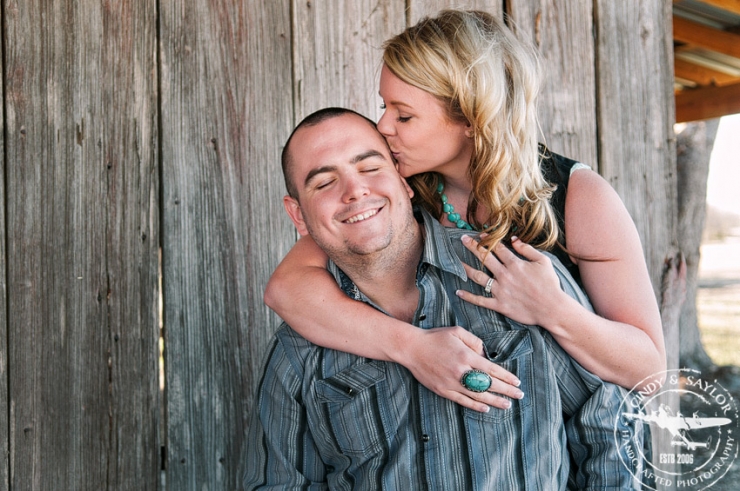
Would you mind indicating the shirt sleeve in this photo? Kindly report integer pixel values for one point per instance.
(591, 411)
(592, 419)
(280, 450)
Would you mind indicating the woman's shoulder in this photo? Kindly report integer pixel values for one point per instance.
(557, 168)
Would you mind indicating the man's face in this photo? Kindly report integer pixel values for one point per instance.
(351, 200)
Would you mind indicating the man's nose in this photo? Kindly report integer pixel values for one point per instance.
(354, 189)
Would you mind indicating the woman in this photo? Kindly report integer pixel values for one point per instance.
(459, 95)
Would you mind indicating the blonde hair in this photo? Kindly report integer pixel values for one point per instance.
(489, 79)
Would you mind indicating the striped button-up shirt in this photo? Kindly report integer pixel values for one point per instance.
(325, 419)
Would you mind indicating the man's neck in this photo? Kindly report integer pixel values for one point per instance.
(389, 278)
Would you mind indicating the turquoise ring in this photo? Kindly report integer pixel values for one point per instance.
(476, 381)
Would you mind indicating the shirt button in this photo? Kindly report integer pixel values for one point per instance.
(350, 391)
(425, 438)
(422, 317)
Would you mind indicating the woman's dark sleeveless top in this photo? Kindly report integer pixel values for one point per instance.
(556, 170)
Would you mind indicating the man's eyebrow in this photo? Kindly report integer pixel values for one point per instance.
(331, 168)
(366, 155)
(319, 170)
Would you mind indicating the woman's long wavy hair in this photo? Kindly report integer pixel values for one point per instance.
(486, 78)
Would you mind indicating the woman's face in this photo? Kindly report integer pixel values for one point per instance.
(421, 136)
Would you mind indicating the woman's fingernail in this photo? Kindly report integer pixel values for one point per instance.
(514, 238)
(458, 293)
(466, 239)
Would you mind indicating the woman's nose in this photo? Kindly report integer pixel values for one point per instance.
(385, 125)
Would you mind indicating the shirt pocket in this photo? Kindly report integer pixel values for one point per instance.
(354, 409)
(513, 351)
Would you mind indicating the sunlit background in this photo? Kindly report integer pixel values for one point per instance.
(718, 298)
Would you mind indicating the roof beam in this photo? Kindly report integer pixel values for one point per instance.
(728, 5)
(700, 74)
(707, 103)
(706, 37)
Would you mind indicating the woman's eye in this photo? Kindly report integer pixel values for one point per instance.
(403, 119)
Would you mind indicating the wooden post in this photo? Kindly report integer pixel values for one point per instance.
(637, 147)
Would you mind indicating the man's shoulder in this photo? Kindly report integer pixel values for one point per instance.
(289, 347)
(292, 342)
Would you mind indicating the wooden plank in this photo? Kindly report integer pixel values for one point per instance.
(226, 109)
(338, 53)
(729, 5)
(563, 33)
(701, 75)
(130, 153)
(4, 396)
(635, 117)
(707, 103)
(706, 37)
(421, 8)
(82, 222)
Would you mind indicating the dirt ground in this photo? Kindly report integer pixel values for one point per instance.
(718, 304)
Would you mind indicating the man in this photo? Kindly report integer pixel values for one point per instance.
(330, 419)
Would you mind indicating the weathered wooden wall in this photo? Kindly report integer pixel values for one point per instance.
(226, 105)
(148, 129)
(82, 182)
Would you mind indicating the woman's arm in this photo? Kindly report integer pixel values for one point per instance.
(327, 317)
(624, 342)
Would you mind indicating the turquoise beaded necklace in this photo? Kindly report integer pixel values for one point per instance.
(450, 210)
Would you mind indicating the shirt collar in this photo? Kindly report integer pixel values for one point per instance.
(438, 250)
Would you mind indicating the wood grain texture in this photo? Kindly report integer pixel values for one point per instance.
(635, 114)
(4, 395)
(338, 53)
(421, 8)
(83, 222)
(226, 109)
(562, 31)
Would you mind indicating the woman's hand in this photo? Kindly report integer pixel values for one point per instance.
(522, 289)
(439, 357)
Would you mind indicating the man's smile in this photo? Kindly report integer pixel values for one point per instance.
(363, 216)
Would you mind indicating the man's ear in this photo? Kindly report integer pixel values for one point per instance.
(408, 188)
(296, 215)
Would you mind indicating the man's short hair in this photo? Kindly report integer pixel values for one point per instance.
(311, 120)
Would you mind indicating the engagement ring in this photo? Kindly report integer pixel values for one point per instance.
(489, 285)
